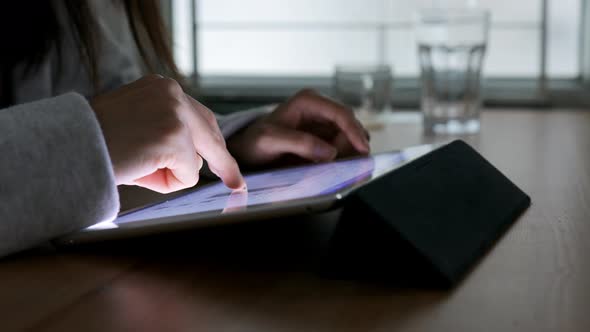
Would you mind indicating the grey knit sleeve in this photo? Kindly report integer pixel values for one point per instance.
(55, 171)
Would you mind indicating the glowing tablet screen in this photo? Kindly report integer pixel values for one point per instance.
(274, 187)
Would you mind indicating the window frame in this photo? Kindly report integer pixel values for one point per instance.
(541, 92)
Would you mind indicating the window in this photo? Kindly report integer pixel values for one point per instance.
(250, 42)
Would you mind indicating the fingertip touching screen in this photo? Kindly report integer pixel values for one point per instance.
(273, 187)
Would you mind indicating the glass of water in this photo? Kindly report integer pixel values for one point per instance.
(365, 88)
(451, 48)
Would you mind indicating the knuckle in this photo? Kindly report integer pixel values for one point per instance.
(209, 116)
(215, 138)
(346, 120)
(265, 129)
(170, 86)
(261, 142)
(173, 104)
(343, 109)
(203, 111)
(306, 93)
(222, 140)
(153, 77)
(346, 109)
(218, 138)
(212, 117)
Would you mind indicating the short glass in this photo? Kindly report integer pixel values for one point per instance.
(451, 48)
(365, 88)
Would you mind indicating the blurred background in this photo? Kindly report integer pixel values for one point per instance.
(241, 53)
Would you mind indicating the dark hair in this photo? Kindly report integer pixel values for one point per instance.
(29, 30)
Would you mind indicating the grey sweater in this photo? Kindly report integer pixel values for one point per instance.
(55, 171)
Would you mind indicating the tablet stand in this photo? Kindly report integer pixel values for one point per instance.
(426, 223)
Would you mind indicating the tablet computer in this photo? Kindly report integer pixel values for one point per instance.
(270, 194)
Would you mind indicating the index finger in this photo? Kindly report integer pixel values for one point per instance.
(316, 106)
(210, 145)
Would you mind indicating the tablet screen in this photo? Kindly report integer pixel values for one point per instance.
(273, 187)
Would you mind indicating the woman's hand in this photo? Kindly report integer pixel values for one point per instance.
(308, 125)
(157, 136)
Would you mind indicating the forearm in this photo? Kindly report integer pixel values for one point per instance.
(55, 172)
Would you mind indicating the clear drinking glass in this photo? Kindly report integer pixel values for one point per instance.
(365, 88)
(451, 49)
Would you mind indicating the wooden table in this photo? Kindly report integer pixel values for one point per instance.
(260, 277)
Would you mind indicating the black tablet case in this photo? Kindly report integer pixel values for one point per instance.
(426, 223)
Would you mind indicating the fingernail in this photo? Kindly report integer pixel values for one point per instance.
(322, 152)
